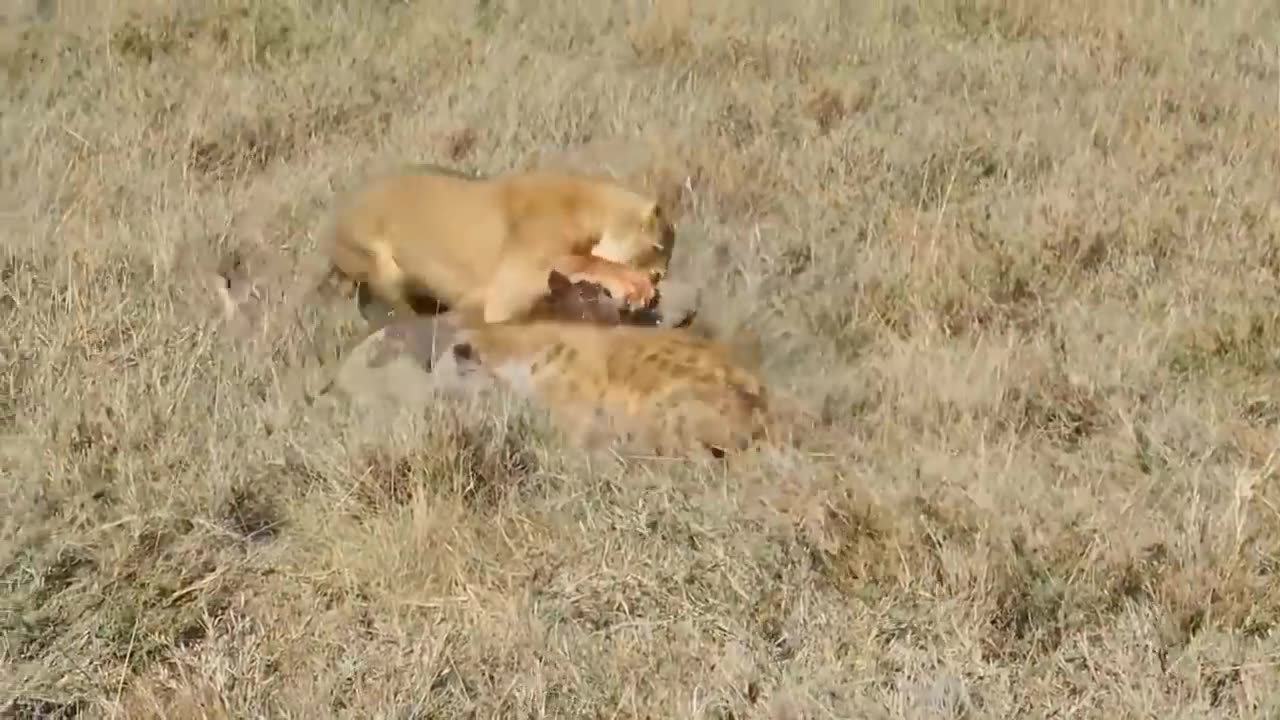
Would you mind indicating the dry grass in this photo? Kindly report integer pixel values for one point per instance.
(1022, 254)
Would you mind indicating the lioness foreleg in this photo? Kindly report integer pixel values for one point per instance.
(627, 284)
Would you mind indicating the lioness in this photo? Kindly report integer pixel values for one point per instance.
(429, 239)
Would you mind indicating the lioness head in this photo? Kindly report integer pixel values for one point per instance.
(643, 239)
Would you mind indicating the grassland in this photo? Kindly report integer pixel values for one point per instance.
(1021, 256)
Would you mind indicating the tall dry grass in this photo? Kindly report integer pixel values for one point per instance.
(1021, 254)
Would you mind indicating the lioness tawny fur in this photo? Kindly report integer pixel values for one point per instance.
(487, 244)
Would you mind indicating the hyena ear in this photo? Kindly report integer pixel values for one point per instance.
(654, 214)
(558, 282)
(464, 352)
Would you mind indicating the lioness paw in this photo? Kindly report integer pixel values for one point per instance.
(635, 288)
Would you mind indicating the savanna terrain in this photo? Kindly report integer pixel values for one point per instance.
(1019, 256)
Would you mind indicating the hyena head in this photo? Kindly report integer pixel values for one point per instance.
(581, 301)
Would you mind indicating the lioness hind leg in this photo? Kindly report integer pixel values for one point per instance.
(374, 311)
(422, 299)
(386, 284)
(329, 282)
